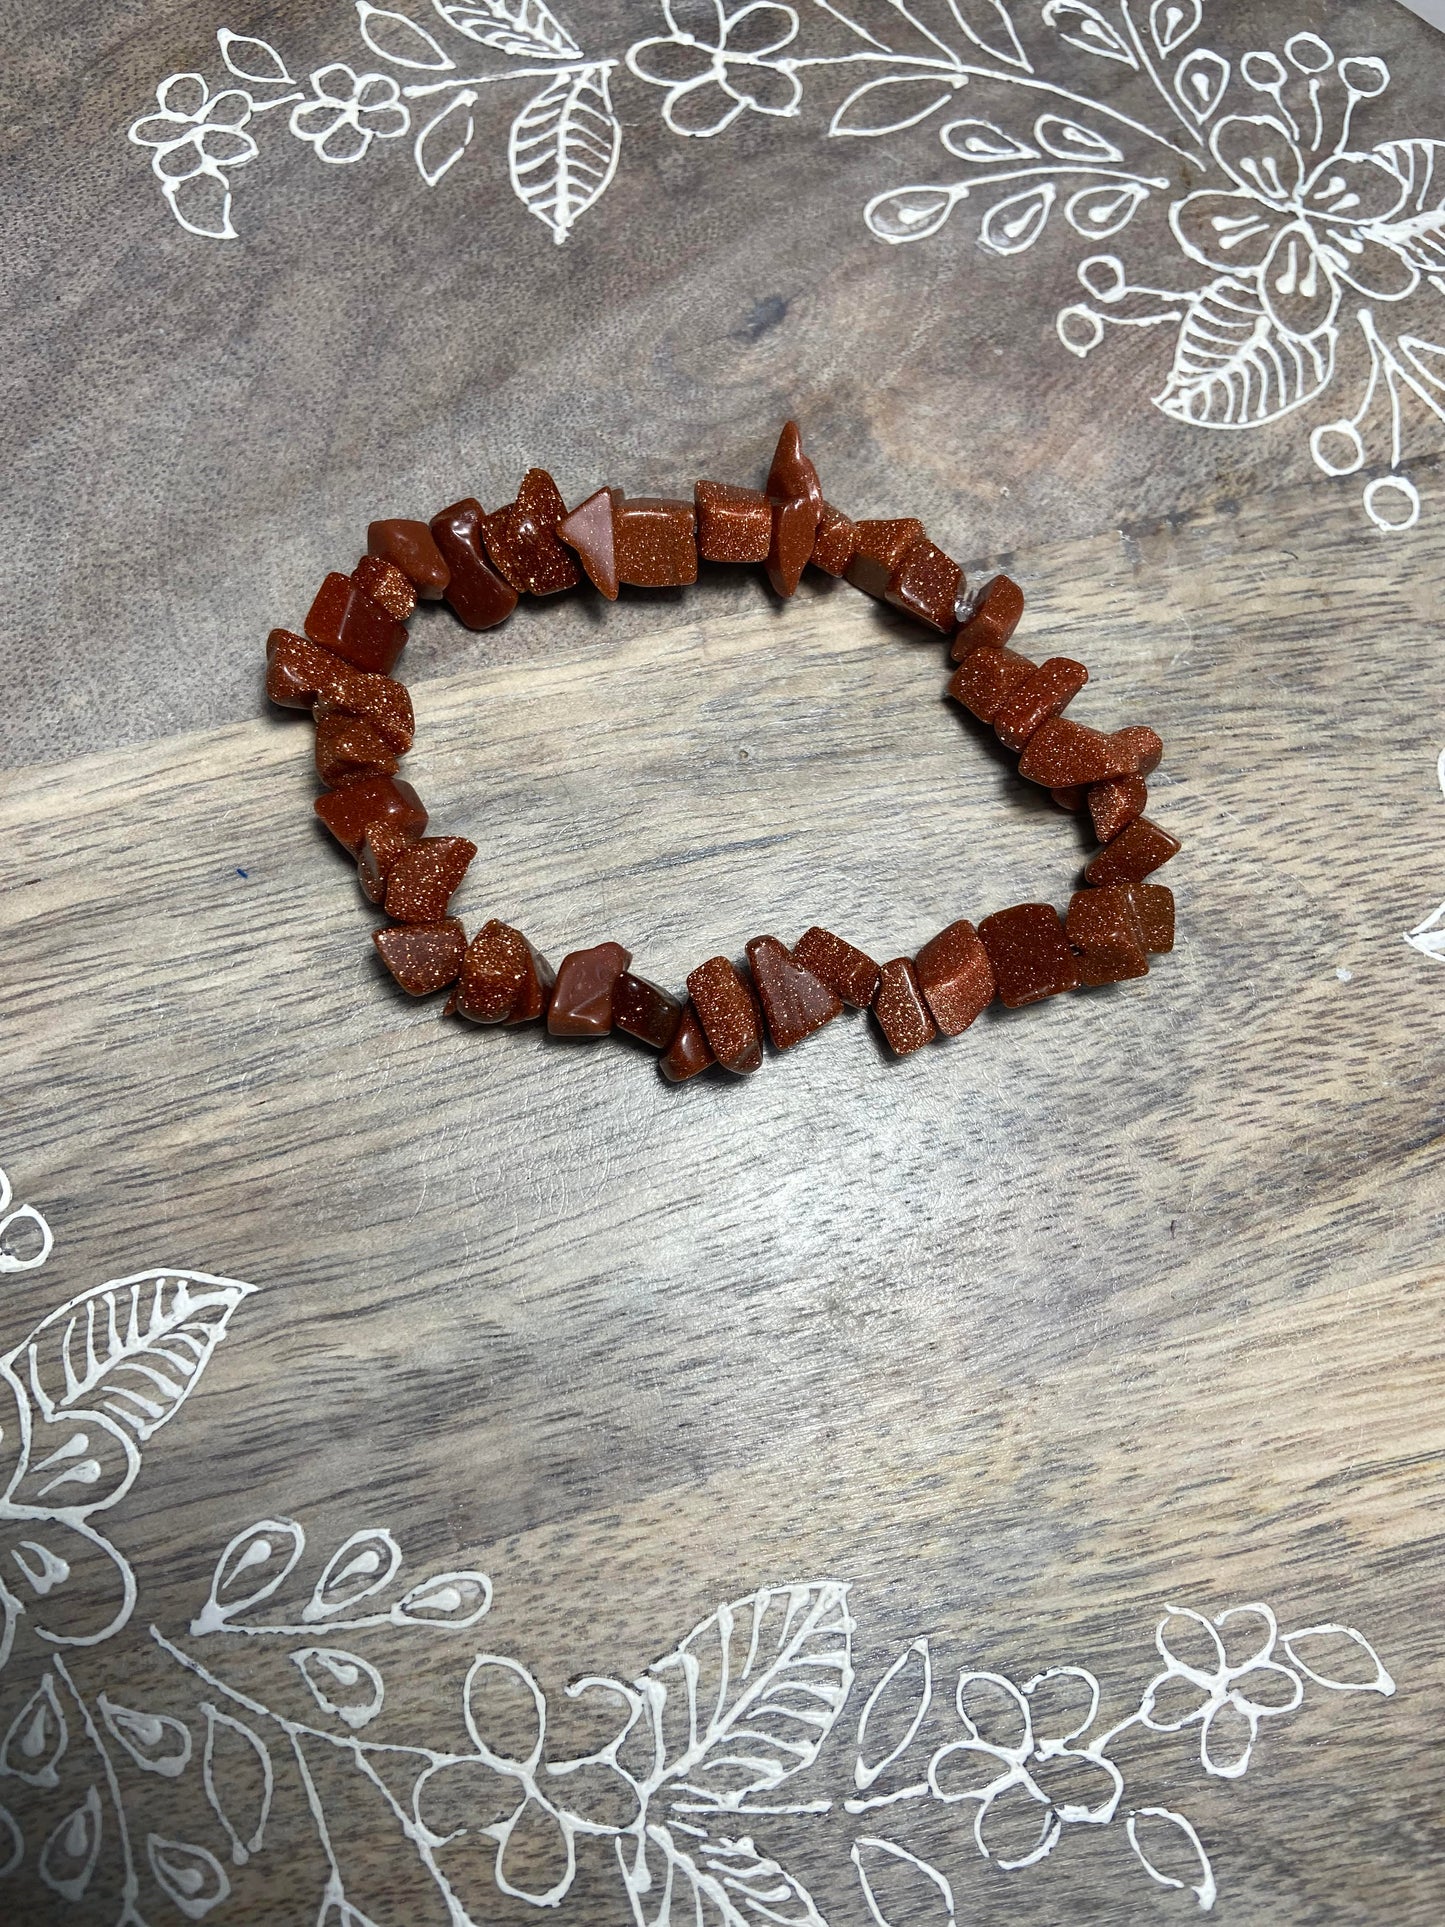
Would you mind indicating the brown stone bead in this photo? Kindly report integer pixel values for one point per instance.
(1155, 905)
(475, 592)
(582, 997)
(347, 812)
(984, 681)
(728, 1013)
(879, 548)
(345, 620)
(955, 976)
(1116, 802)
(503, 980)
(522, 540)
(644, 1011)
(299, 675)
(347, 749)
(846, 971)
(1138, 849)
(410, 547)
(835, 543)
(382, 842)
(423, 957)
(589, 530)
(1069, 798)
(733, 524)
(1137, 750)
(1105, 925)
(795, 524)
(689, 1052)
(792, 475)
(898, 1004)
(1048, 691)
(1032, 957)
(1061, 753)
(926, 584)
(421, 879)
(389, 587)
(992, 619)
(654, 539)
(795, 1002)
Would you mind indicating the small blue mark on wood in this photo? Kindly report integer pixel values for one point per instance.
(240, 872)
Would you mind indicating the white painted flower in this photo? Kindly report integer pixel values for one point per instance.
(1024, 1778)
(349, 111)
(1227, 1692)
(194, 131)
(715, 65)
(1300, 235)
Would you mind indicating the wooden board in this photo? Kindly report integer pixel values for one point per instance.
(1113, 1311)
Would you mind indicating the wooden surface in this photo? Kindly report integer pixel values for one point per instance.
(1126, 1303)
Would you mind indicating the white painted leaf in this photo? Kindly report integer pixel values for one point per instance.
(67, 1860)
(982, 142)
(1069, 140)
(77, 1463)
(190, 1876)
(400, 40)
(364, 1564)
(1096, 212)
(1234, 369)
(1014, 224)
(1339, 1657)
(1200, 80)
(202, 205)
(1084, 26)
(903, 1695)
(753, 1691)
(155, 1741)
(134, 1349)
(233, 1758)
(36, 1739)
(442, 141)
(917, 1895)
(909, 213)
(1418, 230)
(343, 1684)
(12, 1842)
(989, 26)
(564, 146)
(707, 1883)
(1171, 22)
(1171, 1852)
(889, 105)
(524, 27)
(251, 59)
(250, 1569)
(446, 1599)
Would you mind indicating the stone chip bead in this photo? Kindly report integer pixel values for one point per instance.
(847, 971)
(589, 531)
(345, 620)
(898, 1005)
(409, 547)
(420, 880)
(791, 474)
(347, 749)
(503, 980)
(956, 977)
(1138, 750)
(733, 524)
(795, 1002)
(522, 540)
(835, 543)
(984, 681)
(879, 549)
(992, 619)
(1155, 905)
(926, 584)
(389, 587)
(1031, 955)
(655, 541)
(1105, 926)
(1115, 803)
(299, 675)
(422, 957)
(1135, 853)
(645, 1011)
(1061, 753)
(689, 1053)
(347, 812)
(583, 995)
(795, 527)
(382, 842)
(728, 1013)
(1048, 691)
(478, 597)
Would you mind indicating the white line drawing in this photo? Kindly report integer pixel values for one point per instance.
(26, 1240)
(1428, 937)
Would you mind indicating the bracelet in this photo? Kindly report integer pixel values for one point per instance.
(480, 564)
